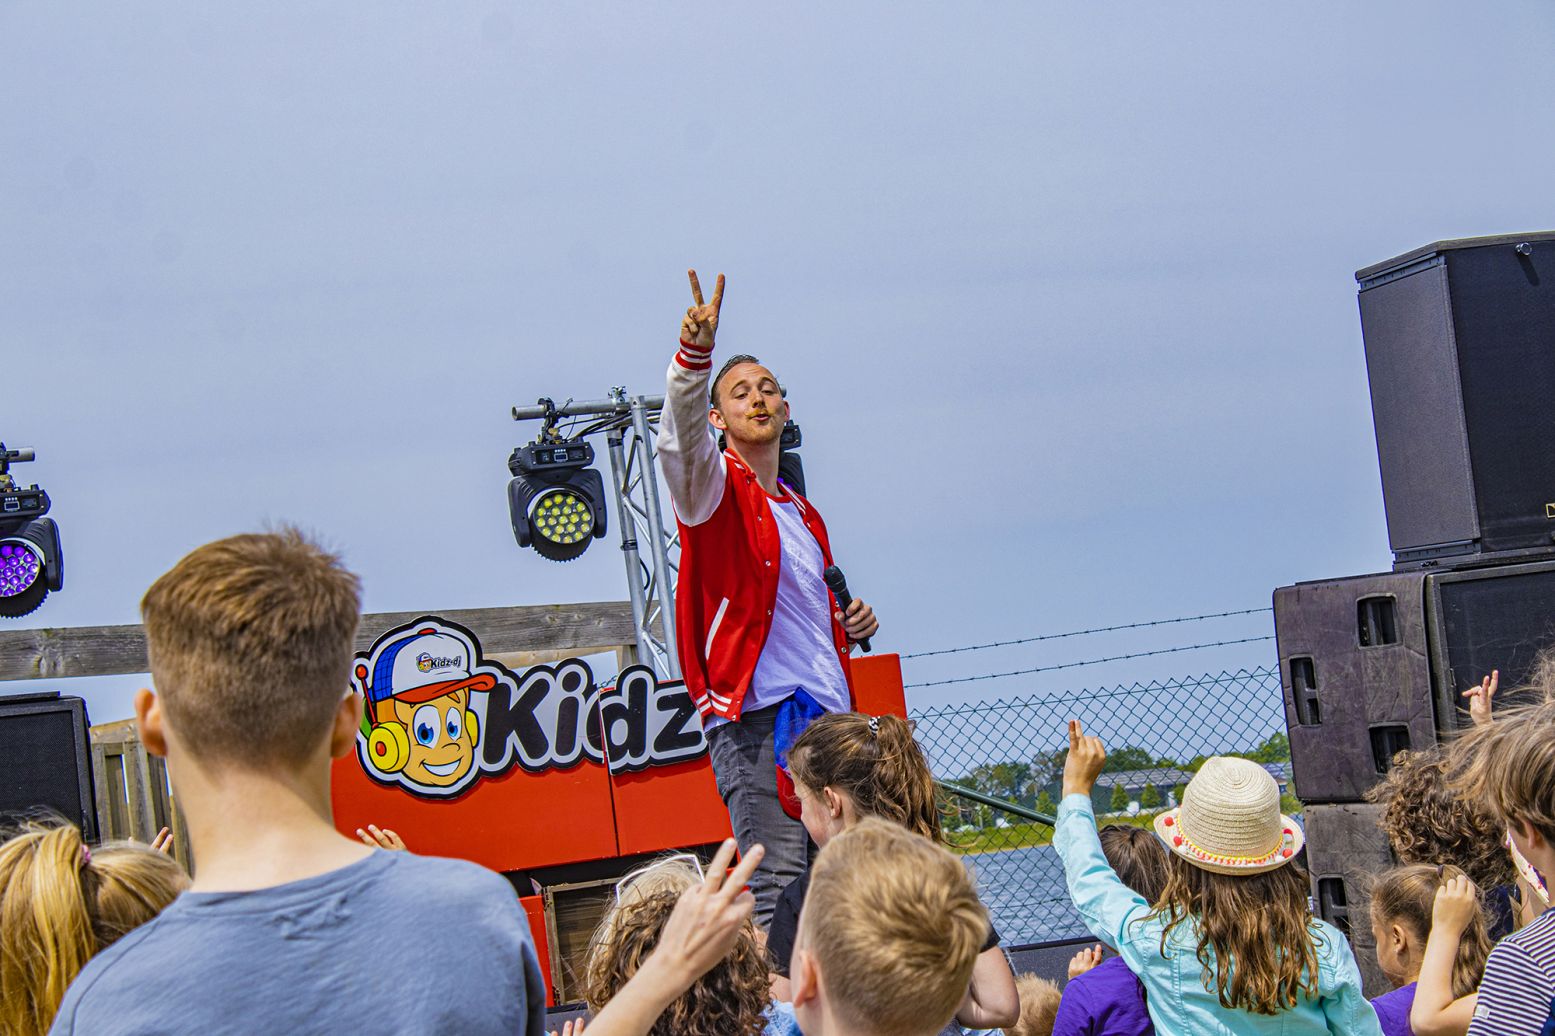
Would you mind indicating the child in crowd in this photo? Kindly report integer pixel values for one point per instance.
(1231, 946)
(1412, 922)
(1508, 766)
(289, 925)
(1426, 822)
(888, 937)
(847, 766)
(1106, 998)
(60, 904)
(732, 999)
(1039, 1001)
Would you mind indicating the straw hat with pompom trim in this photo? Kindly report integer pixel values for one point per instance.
(1230, 820)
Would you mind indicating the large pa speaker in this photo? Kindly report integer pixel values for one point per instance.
(46, 761)
(1460, 352)
(1375, 664)
(1346, 851)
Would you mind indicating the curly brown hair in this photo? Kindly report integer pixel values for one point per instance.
(1426, 821)
(730, 1000)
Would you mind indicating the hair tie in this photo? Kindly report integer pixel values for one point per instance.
(874, 726)
(86, 856)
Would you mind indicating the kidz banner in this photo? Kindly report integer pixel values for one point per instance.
(439, 716)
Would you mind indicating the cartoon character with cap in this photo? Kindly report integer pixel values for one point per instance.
(418, 723)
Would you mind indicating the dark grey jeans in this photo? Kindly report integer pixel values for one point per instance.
(744, 767)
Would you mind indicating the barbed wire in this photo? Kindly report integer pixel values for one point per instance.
(1091, 661)
(1081, 633)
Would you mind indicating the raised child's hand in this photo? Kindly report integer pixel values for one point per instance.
(1480, 698)
(1456, 902)
(705, 923)
(163, 842)
(1084, 961)
(572, 1028)
(381, 838)
(700, 323)
(1086, 757)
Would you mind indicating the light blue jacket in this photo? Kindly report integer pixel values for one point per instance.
(1179, 1003)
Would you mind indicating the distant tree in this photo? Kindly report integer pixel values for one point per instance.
(1119, 798)
(1274, 749)
(1150, 798)
(1009, 780)
(1178, 791)
(1045, 803)
(1128, 757)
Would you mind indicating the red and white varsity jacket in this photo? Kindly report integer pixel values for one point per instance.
(729, 549)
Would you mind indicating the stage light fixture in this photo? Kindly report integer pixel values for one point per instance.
(31, 561)
(555, 500)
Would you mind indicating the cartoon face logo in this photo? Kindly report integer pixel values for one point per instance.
(425, 687)
(439, 717)
(441, 738)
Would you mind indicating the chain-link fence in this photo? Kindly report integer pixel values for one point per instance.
(1012, 751)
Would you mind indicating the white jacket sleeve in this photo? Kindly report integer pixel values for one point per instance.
(693, 465)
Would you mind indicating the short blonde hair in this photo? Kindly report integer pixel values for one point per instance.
(251, 640)
(1038, 1006)
(730, 999)
(60, 906)
(895, 925)
(1508, 766)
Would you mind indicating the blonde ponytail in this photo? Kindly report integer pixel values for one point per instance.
(59, 906)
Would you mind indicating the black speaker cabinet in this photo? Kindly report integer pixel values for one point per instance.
(46, 762)
(1375, 664)
(1460, 352)
(1346, 850)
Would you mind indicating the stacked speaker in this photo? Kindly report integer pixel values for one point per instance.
(46, 762)
(1460, 353)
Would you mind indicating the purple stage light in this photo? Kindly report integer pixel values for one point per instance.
(19, 568)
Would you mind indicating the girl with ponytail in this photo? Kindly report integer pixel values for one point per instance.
(61, 904)
(847, 766)
(1432, 945)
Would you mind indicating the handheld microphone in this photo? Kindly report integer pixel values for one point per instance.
(839, 587)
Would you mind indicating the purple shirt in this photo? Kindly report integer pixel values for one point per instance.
(1105, 1001)
(1393, 1010)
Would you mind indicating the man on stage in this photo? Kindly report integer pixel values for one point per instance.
(762, 645)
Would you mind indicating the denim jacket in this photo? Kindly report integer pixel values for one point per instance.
(1179, 1003)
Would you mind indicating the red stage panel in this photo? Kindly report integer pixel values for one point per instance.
(514, 822)
(669, 806)
(534, 909)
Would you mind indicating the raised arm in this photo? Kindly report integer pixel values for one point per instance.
(1107, 905)
(700, 932)
(693, 465)
(1435, 1011)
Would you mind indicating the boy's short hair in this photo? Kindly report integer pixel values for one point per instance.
(1509, 766)
(1038, 1004)
(1426, 821)
(250, 640)
(895, 925)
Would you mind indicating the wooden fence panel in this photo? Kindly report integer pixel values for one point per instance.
(554, 629)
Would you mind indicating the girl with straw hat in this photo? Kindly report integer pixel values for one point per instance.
(1232, 946)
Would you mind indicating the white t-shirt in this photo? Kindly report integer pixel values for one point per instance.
(800, 652)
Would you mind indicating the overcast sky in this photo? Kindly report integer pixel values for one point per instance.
(1062, 293)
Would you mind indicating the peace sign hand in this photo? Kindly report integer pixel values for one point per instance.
(701, 320)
